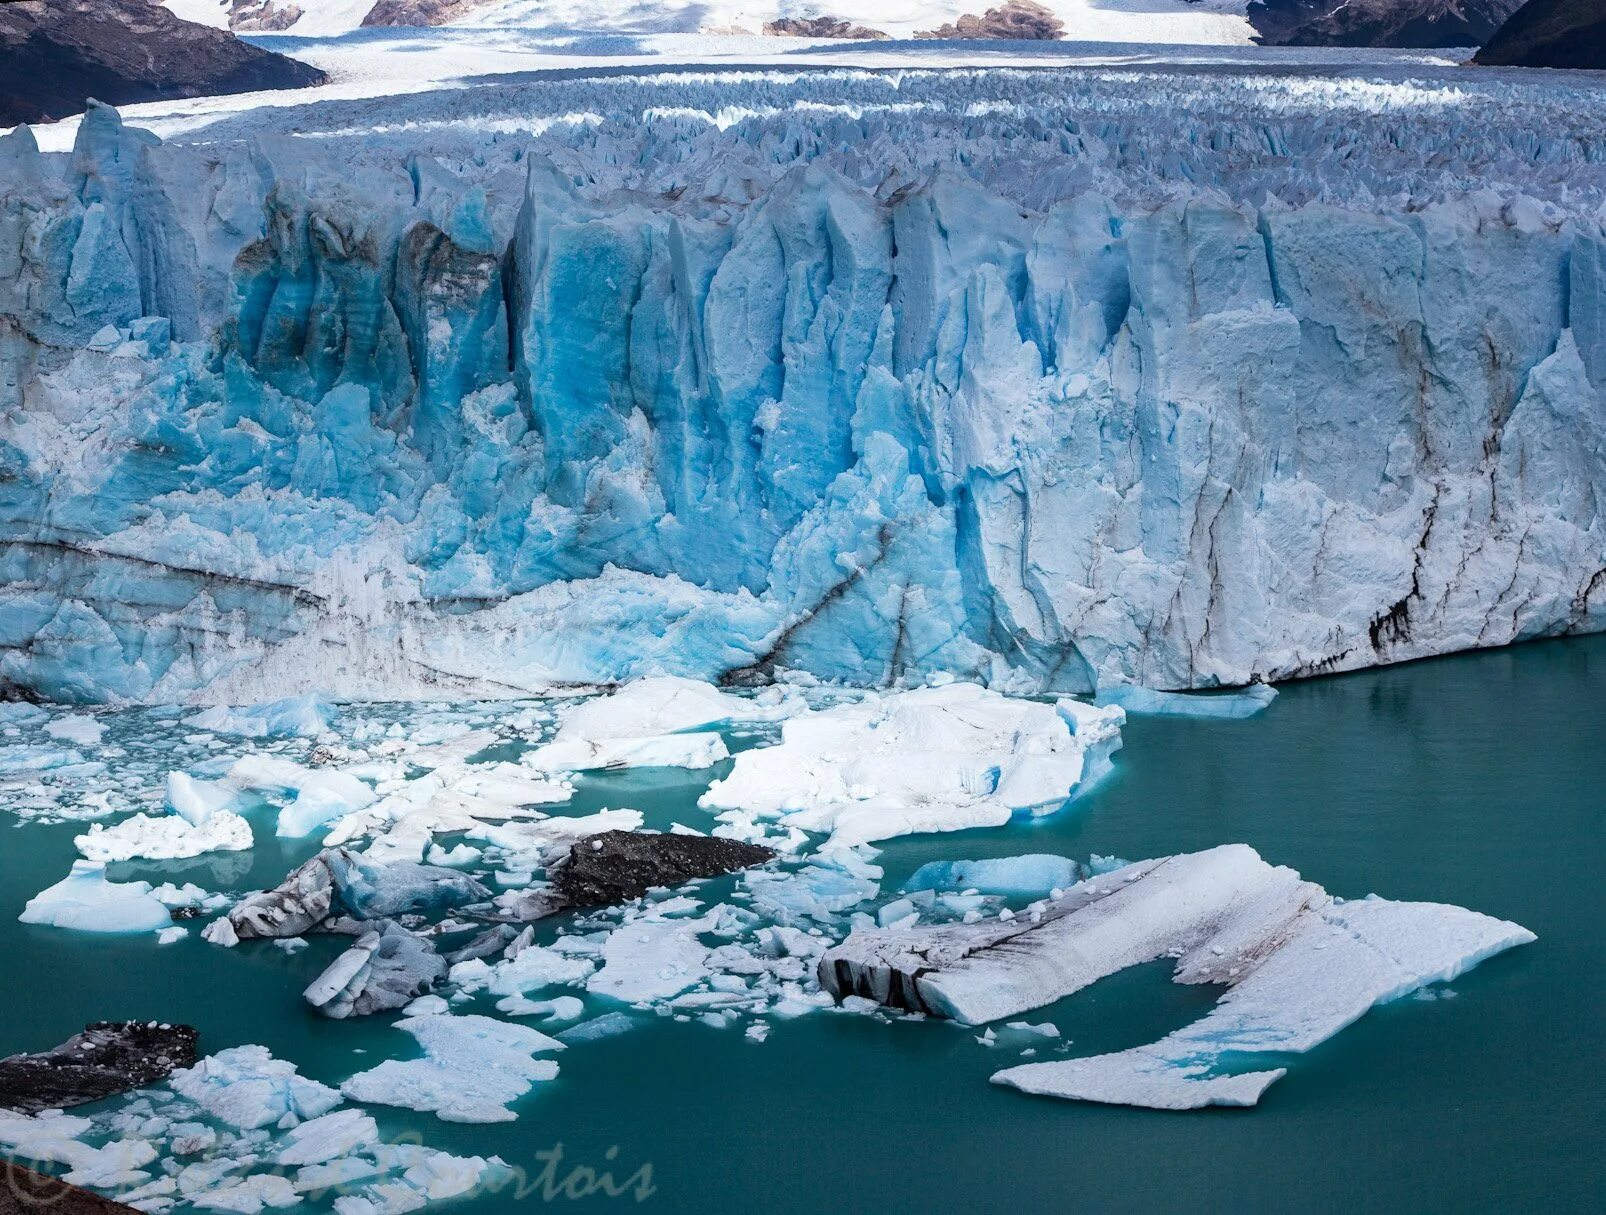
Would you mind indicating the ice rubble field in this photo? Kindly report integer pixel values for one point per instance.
(437, 822)
(1053, 380)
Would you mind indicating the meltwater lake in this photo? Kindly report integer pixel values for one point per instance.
(1477, 780)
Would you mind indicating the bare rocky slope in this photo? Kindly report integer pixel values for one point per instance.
(55, 55)
(1551, 34)
(1379, 23)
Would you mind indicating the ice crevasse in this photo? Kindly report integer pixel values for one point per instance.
(504, 413)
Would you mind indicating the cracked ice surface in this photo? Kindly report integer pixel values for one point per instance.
(1004, 373)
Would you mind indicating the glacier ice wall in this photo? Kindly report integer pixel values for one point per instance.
(1045, 379)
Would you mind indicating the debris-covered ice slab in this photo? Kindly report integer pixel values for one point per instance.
(338, 882)
(1299, 966)
(386, 969)
(619, 865)
(934, 759)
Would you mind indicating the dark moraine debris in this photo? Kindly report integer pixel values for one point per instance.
(109, 1057)
(25, 1192)
(616, 866)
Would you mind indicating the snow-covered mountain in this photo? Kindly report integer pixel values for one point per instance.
(1395, 23)
(1165, 21)
(871, 375)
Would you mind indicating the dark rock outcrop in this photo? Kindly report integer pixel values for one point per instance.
(1020, 20)
(1379, 23)
(819, 27)
(419, 12)
(109, 1057)
(54, 54)
(1550, 34)
(616, 866)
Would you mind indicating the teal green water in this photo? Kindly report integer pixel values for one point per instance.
(1478, 780)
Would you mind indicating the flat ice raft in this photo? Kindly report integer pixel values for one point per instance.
(1299, 966)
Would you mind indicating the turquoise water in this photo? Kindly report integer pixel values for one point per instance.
(1478, 780)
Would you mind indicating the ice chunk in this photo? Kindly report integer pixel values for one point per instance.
(649, 723)
(76, 728)
(307, 716)
(165, 837)
(322, 798)
(198, 800)
(246, 1087)
(607, 1025)
(1034, 875)
(386, 969)
(473, 1069)
(1231, 706)
(329, 1137)
(934, 759)
(86, 901)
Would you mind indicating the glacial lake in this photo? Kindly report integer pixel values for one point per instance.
(1478, 780)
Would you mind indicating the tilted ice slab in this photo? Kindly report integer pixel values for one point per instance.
(473, 1069)
(1299, 967)
(869, 375)
(933, 759)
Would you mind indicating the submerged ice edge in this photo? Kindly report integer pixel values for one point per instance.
(482, 421)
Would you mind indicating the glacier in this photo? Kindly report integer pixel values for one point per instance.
(1049, 380)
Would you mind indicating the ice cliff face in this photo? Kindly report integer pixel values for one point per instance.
(868, 376)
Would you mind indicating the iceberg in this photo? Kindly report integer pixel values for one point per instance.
(941, 758)
(320, 799)
(86, 901)
(1298, 967)
(473, 1069)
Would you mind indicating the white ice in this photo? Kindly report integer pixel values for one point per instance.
(86, 901)
(473, 1069)
(935, 759)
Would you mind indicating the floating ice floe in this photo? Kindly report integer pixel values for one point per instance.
(473, 1069)
(165, 837)
(662, 722)
(306, 716)
(246, 1087)
(1299, 967)
(76, 728)
(1229, 706)
(934, 759)
(86, 901)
